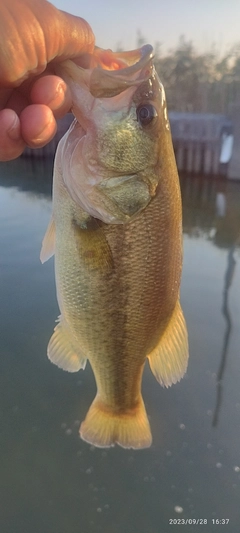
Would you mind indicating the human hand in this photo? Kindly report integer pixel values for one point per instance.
(33, 36)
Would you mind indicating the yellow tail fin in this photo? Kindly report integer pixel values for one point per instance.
(103, 427)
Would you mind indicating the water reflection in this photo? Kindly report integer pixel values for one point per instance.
(47, 475)
(28, 174)
(231, 264)
(211, 210)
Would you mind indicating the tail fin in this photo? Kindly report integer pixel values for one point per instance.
(103, 427)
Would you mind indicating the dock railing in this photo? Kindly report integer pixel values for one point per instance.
(198, 140)
(204, 143)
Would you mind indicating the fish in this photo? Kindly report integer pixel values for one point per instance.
(116, 232)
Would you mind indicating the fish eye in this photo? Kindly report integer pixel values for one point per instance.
(146, 113)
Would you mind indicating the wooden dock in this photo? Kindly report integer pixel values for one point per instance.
(198, 140)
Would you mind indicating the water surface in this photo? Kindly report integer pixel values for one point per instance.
(51, 481)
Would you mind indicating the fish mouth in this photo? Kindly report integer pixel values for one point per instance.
(112, 82)
(110, 73)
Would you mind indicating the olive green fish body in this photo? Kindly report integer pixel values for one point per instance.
(118, 281)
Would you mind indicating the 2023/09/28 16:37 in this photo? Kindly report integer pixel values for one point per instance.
(198, 521)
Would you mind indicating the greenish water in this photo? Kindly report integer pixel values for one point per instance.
(51, 481)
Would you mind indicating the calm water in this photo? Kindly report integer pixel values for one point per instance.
(51, 481)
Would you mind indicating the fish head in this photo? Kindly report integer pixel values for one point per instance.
(113, 159)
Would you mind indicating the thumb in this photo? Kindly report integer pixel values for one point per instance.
(73, 37)
(33, 33)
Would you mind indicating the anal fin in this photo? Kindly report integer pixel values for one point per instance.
(168, 361)
(60, 351)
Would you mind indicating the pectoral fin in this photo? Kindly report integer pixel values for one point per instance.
(48, 244)
(93, 246)
(168, 361)
(61, 352)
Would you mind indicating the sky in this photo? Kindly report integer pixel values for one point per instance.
(204, 22)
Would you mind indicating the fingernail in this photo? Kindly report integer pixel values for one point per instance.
(14, 129)
(46, 134)
(41, 136)
(58, 97)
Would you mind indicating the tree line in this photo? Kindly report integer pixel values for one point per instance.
(197, 82)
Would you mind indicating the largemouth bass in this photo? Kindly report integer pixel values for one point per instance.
(116, 232)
